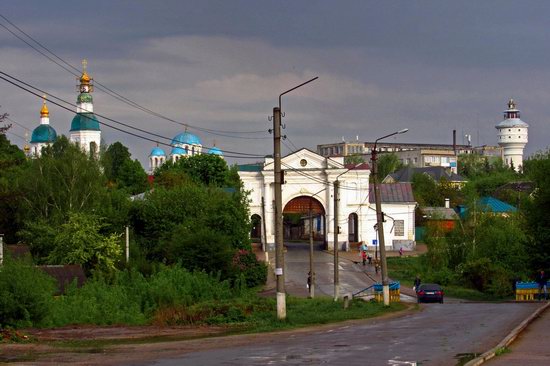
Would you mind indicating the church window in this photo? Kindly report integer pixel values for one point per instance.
(399, 227)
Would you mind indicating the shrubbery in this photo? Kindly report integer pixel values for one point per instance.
(26, 295)
(132, 298)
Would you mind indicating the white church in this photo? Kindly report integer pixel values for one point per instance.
(85, 130)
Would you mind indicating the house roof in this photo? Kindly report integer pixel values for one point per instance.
(435, 172)
(440, 213)
(495, 205)
(362, 166)
(65, 275)
(255, 167)
(393, 193)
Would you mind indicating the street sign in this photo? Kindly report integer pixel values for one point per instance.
(374, 242)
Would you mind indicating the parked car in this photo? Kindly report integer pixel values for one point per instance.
(429, 292)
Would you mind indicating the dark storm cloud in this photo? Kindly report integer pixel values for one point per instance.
(431, 66)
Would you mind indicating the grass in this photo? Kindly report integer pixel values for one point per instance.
(404, 270)
(250, 313)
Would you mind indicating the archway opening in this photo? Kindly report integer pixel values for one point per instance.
(353, 236)
(256, 229)
(299, 215)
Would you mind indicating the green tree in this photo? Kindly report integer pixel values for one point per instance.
(122, 171)
(207, 169)
(79, 241)
(536, 169)
(387, 164)
(12, 161)
(425, 190)
(354, 159)
(195, 206)
(62, 180)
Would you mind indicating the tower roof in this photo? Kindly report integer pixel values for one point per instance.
(215, 151)
(511, 117)
(85, 121)
(43, 133)
(157, 151)
(44, 112)
(186, 138)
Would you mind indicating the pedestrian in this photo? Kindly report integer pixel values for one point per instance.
(541, 280)
(364, 256)
(401, 251)
(369, 257)
(417, 282)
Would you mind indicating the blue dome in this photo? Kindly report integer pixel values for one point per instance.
(215, 151)
(186, 138)
(178, 151)
(157, 151)
(43, 133)
(85, 121)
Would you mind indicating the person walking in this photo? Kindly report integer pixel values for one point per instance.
(401, 251)
(541, 280)
(364, 256)
(417, 282)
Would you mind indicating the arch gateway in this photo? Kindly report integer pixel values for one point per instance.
(309, 185)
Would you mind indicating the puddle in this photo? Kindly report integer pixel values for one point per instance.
(463, 358)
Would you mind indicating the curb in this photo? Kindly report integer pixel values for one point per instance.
(509, 338)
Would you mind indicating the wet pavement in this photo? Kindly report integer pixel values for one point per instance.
(439, 334)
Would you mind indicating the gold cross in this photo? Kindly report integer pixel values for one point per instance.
(84, 64)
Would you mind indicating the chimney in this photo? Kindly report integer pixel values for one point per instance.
(454, 141)
(447, 203)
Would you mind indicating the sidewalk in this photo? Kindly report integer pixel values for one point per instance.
(354, 256)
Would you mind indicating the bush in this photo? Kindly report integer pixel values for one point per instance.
(26, 295)
(131, 298)
(253, 271)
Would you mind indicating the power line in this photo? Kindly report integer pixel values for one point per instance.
(116, 95)
(240, 155)
(16, 135)
(17, 123)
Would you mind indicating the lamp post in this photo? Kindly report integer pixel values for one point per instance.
(279, 252)
(380, 218)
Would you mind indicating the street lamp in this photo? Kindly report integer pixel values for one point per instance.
(380, 218)
(279, 253)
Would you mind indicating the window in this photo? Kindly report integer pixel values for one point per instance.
(399, 227)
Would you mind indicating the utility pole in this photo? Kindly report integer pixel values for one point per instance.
(380, 218)
(380, 229)
(127, 244)
(279, 250)
(311, 270)
(336, 229)
(264, 233)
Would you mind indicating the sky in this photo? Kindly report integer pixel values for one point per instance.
(429, 66)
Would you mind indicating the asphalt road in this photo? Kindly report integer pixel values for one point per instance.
(352, 277)
(437, 335)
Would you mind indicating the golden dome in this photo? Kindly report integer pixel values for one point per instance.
(44, 112)
(85, 79)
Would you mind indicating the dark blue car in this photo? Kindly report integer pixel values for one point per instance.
(429, 292)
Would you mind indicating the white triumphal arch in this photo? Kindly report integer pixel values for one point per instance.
(308, 189)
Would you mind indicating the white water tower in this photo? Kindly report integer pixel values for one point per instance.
(512, 136)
